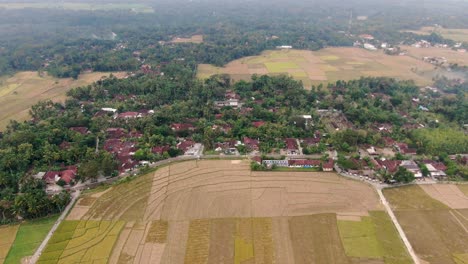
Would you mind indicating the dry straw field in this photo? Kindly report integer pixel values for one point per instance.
(7, 237)
(325, 65)
(22, 90)
(435, 220)
(219, 211)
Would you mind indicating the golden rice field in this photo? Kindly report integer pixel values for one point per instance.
(218, 211)
(435, 220)
(324, 66)
(7, 237)
(22, 90)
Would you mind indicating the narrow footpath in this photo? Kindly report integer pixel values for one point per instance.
(398, 227)
(64, 214)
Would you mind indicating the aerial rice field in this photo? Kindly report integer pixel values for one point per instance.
(24, 89)
(435, 220)
(326, 65)
(28, 237)
(457, 34)
(218, 211)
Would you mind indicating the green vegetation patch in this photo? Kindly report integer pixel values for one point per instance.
(391, 245)
(412, 197)
(442, 140)
(374, 237)
(279, 67)
(30, 235)
(360, 238)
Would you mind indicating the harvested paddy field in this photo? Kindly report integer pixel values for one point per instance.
(7, 237)
(435, 220)
(324, 66)
(452, 56)
(221, 212)
(24, 89)
(457, 34)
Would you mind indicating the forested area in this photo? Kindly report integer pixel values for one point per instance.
(65, 43)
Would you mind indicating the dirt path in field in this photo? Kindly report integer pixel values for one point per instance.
(38, 252)
(398, 227)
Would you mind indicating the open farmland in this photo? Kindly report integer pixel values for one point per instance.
(197, 39)
(435, 220)
(19, 92)
(326, 65)
(452, 56)
(28, 238)
(457, 34)
(8, 234)
(221, 212)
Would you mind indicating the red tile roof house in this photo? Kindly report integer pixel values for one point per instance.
(388, 141)
(403, 149)
(291, 146)
(251, 144)
(185, 145)
(391, 166)
(257, 159)
(160, 149)
(182, 127)
(115, 132)
(220, 146)
(328, 166)
(81, 130)
(258, 124)
(51, 177)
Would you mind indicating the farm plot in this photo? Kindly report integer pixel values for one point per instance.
(82, 242)
(457, 34)
(218, 211)
(28, 238)
(197, 39)
(22, 90)
(437, 232)
(8, 234)
(324, 66)
(452, 56)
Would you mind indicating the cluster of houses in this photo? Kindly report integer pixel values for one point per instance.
(124, 115)
(297, 163)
